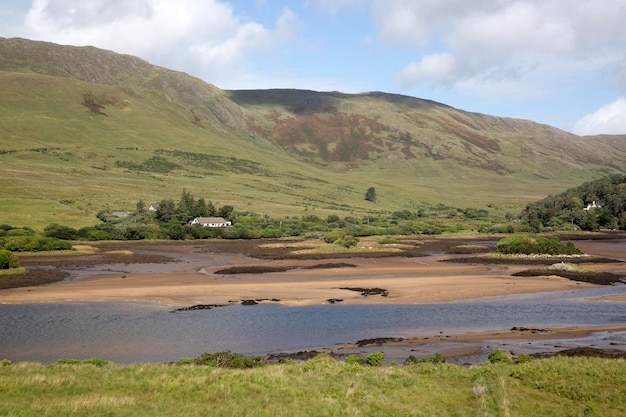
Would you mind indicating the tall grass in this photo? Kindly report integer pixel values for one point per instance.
(318, 387)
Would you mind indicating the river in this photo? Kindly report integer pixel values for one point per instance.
(132, 332)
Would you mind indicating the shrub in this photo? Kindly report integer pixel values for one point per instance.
(500, 356)
(401, 214)
(227, 359)
(353, 360)
(60, 232)
(388, 240)
(332, 218)
(375, 359)
(436, 358)
(8, 260)
(332, 237)
(347, 241)
(523, 358)
(431, 230)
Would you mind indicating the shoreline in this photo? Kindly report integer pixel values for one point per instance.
(188, 274)
(467, 347)
(402, 282)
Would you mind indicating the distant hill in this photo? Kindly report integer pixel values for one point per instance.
(82, 129)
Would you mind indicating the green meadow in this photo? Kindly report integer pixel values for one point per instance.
(557, 386)
(78, 136)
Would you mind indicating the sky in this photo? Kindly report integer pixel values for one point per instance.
(558, 62)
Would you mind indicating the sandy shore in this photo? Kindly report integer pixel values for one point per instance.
(407, 281)
(185, 274)
(192, 273)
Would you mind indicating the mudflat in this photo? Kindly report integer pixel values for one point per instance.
(206, 274)
(294, 272)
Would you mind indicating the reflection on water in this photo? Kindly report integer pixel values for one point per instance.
(127, 332)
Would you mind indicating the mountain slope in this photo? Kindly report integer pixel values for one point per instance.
(82, 129)
(362, 128)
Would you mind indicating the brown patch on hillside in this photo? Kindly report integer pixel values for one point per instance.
(333, 137)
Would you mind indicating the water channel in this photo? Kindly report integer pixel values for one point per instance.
(131, 332)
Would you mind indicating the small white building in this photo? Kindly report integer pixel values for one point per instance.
(592, 205)
(210, 222)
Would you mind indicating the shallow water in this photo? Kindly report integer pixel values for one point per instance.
(130, 332)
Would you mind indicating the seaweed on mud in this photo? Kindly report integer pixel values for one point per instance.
(379, 341)
(599, 278)
(260, 269)
(368, 291)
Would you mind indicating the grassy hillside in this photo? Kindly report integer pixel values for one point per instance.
(321, 386)
(82, 129)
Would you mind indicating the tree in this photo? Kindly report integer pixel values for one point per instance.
(370, 195)
(186, 206)
(166, 210)
(60, 232)
(200, 208)
(226, 212)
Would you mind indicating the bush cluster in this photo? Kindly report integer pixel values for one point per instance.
(8, 260)
(33, 243)
(228, 359)
(505, 356)
(539, 245)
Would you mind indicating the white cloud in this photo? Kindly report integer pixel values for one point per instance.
(505, 41)
(609, 119)
(418, 22)
(496, 35)
(434, 66)
(202, 37)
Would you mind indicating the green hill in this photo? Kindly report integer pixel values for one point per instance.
(83, 129)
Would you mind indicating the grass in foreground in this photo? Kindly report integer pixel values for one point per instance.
(318, 387)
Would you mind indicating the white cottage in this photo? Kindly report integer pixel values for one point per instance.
(210, 221)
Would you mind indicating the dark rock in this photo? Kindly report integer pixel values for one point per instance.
(368, 291)
(201, 307)
(379, 341)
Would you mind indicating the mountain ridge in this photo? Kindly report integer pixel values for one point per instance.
(281, 151)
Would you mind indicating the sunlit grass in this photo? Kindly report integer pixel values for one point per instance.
(13, 271)
(119, 252)
(318, 387)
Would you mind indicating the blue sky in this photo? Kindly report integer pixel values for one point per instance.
(557, 62)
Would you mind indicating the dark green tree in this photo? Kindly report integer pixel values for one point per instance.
(186, 207)
(166, 211)
(370, 195)
(141, 206)
(210, 209)
(226, 212)
(200, 208)
(60, 232)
